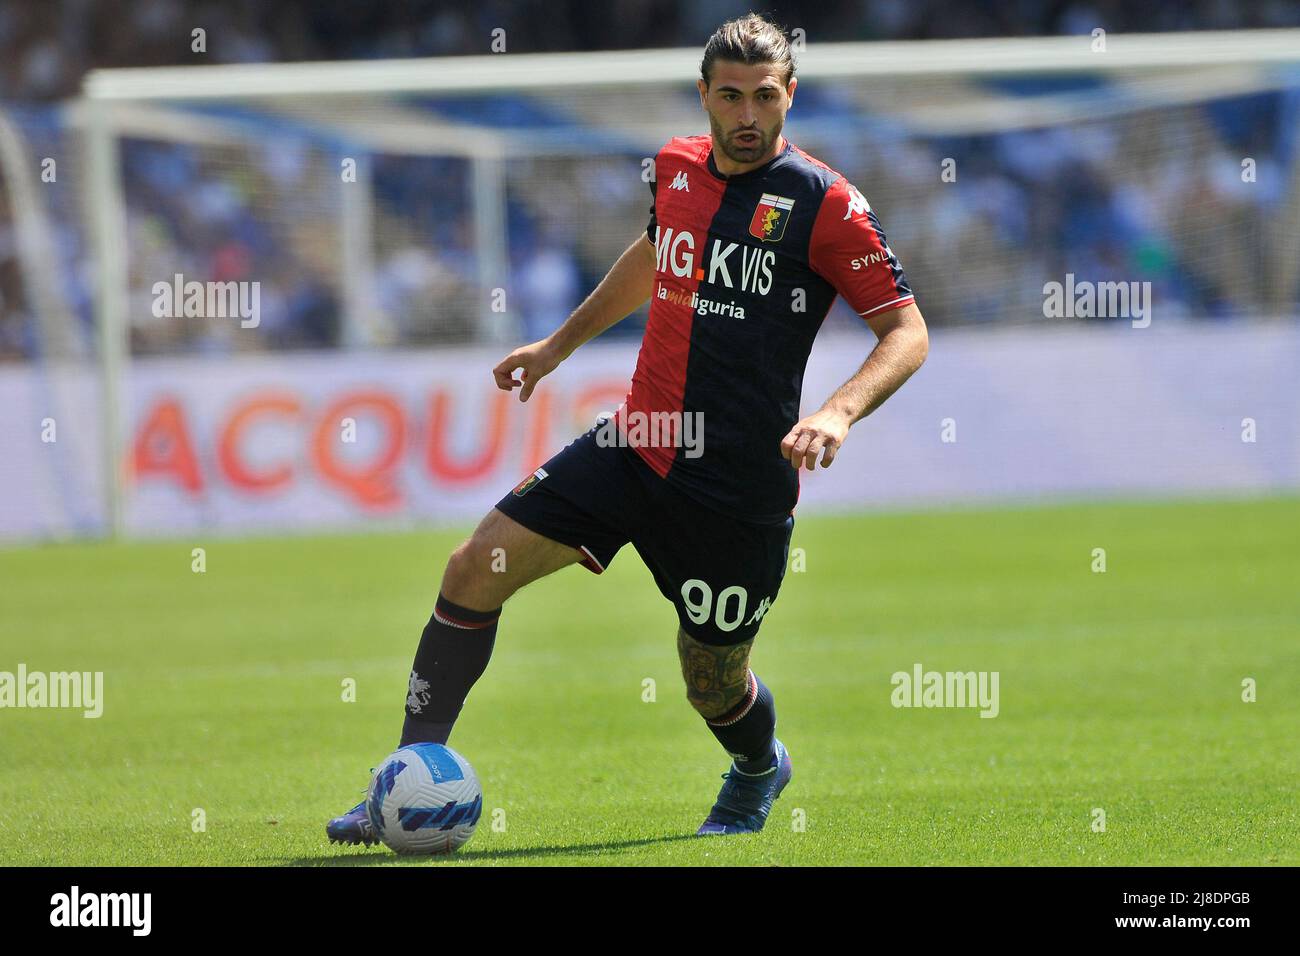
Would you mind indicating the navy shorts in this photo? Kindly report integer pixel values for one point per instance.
(721, 574)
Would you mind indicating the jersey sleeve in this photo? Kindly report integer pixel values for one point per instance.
(849, 250)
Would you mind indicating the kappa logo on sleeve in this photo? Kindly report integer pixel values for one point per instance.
(858, 205)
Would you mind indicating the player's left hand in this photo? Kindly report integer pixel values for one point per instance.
(822, 432)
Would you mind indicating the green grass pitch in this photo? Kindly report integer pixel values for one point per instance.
(1119, 690)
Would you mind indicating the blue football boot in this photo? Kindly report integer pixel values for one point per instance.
(353, 827)
(746, 799)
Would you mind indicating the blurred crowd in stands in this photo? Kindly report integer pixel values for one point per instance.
(1161, 197)
(46, 45)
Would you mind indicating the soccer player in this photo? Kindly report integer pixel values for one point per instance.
(749, 242)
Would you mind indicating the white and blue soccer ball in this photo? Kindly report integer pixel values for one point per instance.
(423, 799)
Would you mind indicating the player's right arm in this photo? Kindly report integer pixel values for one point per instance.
(624, 289)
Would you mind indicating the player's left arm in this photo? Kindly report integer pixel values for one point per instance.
(902, 345)
(848, 248)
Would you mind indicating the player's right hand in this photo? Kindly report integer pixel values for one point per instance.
(535, 361)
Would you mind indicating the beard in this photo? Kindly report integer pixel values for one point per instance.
(739, 152)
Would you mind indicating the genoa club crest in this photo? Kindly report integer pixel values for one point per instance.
(527, 484)
(770, 218)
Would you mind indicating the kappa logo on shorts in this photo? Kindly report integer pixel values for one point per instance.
(529, 483)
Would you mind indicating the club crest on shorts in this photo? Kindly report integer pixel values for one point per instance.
(770, 218)
(528, 483)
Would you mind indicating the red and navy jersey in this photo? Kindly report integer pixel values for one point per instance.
(747, 268)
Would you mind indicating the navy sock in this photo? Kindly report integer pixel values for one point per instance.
(453, 653)
(748, 732)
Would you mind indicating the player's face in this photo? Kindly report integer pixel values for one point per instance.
(746, 106)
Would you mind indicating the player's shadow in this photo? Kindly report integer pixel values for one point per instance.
(380, 855)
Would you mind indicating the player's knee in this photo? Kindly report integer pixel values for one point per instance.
(458, 573)
(716, 703)
(717, 678)
(467, 580)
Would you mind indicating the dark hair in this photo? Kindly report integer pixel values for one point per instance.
(749, 39)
